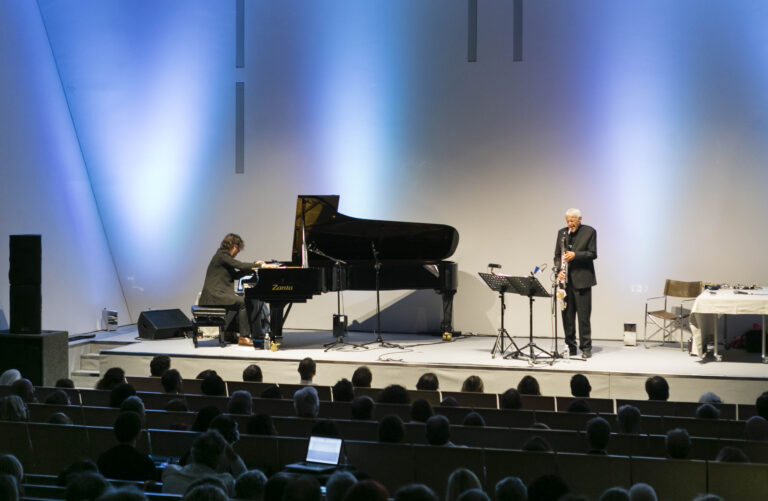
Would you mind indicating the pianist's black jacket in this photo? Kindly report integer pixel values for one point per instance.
(581, 271)
(223, 270)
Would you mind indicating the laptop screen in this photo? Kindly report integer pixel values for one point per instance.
(324, 450)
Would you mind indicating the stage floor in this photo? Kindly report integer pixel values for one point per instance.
(615, 370)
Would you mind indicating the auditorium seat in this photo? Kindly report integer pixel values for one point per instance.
(260, 452)
(472, 399)
(100, 439)
(275, 407)
(671, 478)
(715, 428)
(392, 465)
(94, 398)
(99, 416)
(39, 413)
(493, 417)
(538, 402)
(291, 450)
(500, 463)
(43, 392)
(57, 446)
(591, 474)
(434, 463)
(171, 443)
(688, 409)
(15, 439)
(601, 405)
(165, 419)
(738, 480)
(649, 407)
(745, 411)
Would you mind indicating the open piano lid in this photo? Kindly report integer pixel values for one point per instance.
(349, 239)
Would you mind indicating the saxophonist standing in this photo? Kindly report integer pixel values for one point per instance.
(575, 251)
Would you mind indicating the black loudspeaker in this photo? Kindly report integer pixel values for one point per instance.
(163, 324)
(25, 260)
(26, 307)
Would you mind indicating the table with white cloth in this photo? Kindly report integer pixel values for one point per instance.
(711, 304)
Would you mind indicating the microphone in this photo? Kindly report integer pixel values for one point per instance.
(494, 265)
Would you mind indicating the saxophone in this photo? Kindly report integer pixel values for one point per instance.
(564, 268)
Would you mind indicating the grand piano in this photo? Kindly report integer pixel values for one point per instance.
(411, 256)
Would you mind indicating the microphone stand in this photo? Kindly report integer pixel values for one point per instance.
(377, 267)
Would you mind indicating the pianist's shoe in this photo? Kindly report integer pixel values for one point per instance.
(245, 341)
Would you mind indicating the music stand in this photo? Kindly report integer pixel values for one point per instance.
(500, 284)
(531, 287)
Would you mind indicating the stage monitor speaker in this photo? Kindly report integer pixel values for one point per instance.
(25, 260)
(26, 307)
(163, 324)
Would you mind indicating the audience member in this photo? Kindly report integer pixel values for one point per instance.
(460, 480)
(473, 419)
(343, 391)
(123, 461)
(657, 388)
(439, 431)
(204, 417)
(615, 494)
(511, 489)
(391, 429)
(325, 428)
(206, 492)
(580, 386)
(729, 454)
(272, 391)
(207, 450)
(59, 418)
(708, 497)
(159, 365)
(536, 443)
(24, 389)
(415, 492)
(13, 408)
(65, 382)
(707, 411)
(362, 408)
(476, 494)
(124, 493)
(756, 428)
(275, 487)
(642, 492)
(176, 405)
(306, 403)
(9, 488)
(119, 393)
(449, 401)
(678, 443)
(261, 424)
(253, 373)
(473, 384)
(214, 386)
(227, 427)
(113, 377)
(529, 385)
(547, 488)
(250, 485)
(628, 419)
(307, 369)
(240, 402)
(367, 490)
(10, 465)
(75, 468)
(761, 405)
(85, 486)
(710, 398)
(134, 404)
(362, 377)
(172, 381)
(421, 410)
(204, 374)
(338, 485)
(428, 381)
(394, 394)
(303, 488)
(579, 405)
(598, 434)
(58, 397)
(9, 377)
(510, 399)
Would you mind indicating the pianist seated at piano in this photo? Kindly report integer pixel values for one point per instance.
(218, 289)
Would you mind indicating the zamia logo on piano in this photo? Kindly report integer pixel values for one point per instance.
(277, 287)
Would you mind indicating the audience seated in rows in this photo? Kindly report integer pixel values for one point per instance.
(439, 431)
(253, 374)
(628, 419)
(362, 377)
(391, 429)
(123, 461)
(678, 444)
(338, 484)
(23, 388)
(13, 408)
(172, 381)
(119, 393)
(250, 485)
(598, 434)
(306, 403)
(657, 388)
(307, 369)
(394, 394)
(528, 385)
(361, 408)
(240, 402)
(580, 386)
(510, 489)
(367, 490)
(510, 399)
(473, 419)
(459, 481)
(421, 410)
(343, 391)
(159, 365)
(113, 377)
(428, 381)
(415, 492)
(213, 386)
(473, 384)
(58, 397)
(207, 451)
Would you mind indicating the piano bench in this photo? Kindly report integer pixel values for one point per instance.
(209, 316)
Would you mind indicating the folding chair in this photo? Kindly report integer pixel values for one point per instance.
(665, 321)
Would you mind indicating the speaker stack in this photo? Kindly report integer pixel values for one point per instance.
(24, 277)
(163, 324)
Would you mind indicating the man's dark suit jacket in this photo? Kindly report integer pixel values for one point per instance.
(581, 271)
(223, 270)
(126, 463)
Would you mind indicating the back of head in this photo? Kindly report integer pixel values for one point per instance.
(159, 365)
(415, 492)
(9, 377)
(9, 487)
(240, 402)
(261, 424)
(729, 454)
(394, 394)
(24, 389)
(628, 419)
(58, 397)
(391, 429)
(13, 408)
(343, 391)
(362, 377)
(438, 430)
(756, 428)
(579, 405)
(272, 391)
(657, 388)
(528, 386)
(428, 381)
(250, 485)
(460, 480)
(208, 448)
(476, 494)
(511, 489)
(510, 399)
(707, 411)
(598, 433)
(119, 393)
(678, 443)
(642, 492)
(253, 373)
(204, 374)
(761, 405)
(710, 398)
(176, 405)
(59, 418)
(230, 241)
(338, 484)
(85, 485)
(79, 466)
(473, 384)
(213, 385)
(306, 403)
(206, 492)
(275, 487)
(362, 408)
(615, 494)
(303, 488)
(473, 419)
(127, 427)
(133, 404)
(10, 465)
(367, 490)
(421, 410)
(124, 493)
(113, 377)
(546, 488)
(307, 369)
(536, 443)
(449, 401)
(171, 381)
(227, 427)
(65, 382)
(580, 386)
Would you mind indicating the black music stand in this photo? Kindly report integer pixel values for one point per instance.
(531, 287)
(379, 340)
(500, 284)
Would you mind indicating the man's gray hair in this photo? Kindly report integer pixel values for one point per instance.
(240, 402)
(306, 403)
(642, 492)
(573, 212)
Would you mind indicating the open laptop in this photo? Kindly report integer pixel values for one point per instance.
(322, 456)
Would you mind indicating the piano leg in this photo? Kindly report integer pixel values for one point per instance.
(276, 319)
(447, 324)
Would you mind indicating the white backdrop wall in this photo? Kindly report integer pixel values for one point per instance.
(651, 117)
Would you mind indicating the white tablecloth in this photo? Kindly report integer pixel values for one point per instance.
(710, 304)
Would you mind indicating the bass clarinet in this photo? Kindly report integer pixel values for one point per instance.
(561, 295)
